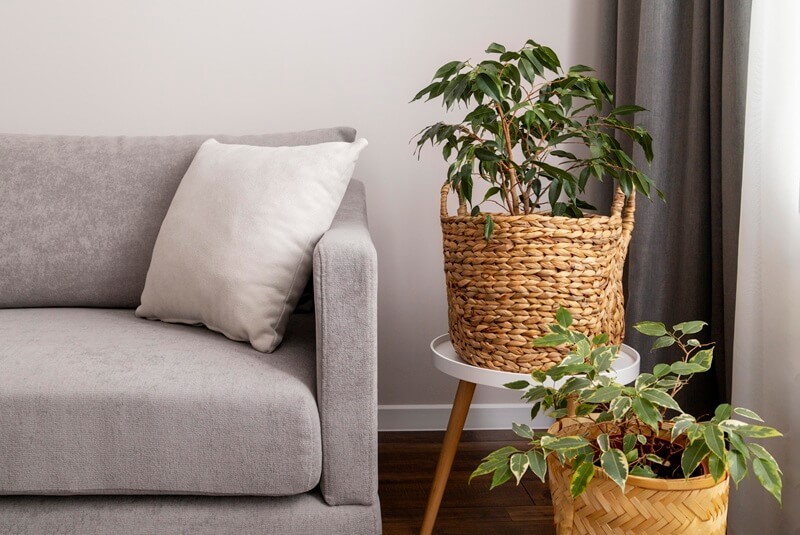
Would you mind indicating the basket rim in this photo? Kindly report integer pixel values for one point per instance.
(705, 481)
(536, 216)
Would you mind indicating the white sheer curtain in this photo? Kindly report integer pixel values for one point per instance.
(766, 357)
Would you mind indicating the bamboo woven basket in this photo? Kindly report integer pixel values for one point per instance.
(694, 506)
(503, 294)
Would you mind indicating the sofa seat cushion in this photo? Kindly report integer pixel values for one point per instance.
(97, 401)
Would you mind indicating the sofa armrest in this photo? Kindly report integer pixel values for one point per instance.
(345, 299)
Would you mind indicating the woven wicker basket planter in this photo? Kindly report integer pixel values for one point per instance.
(694, 506)
(504, 293)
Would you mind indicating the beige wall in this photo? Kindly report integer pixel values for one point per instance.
(245, 66)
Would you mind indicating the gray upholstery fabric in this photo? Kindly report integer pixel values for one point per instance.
(306, 514)
(99, 401)
(686, 62)
(346, 287)
(80, 215)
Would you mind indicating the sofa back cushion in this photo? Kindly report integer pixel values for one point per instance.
(80, 215)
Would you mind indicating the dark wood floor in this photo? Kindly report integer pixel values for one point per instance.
(406, 464)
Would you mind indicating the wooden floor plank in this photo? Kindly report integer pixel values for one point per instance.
(406, 464)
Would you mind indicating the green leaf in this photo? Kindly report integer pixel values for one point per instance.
(555, 172)
(651, 328)
(747, 413)
(603, 416)
(737, 466)
(558, 372)
(425, 91)
(603, 442)
(563, 317)
(580, 68)
(768, 475)
(582, 349)
(550, 340)
(488, 227)
(486, 155)
(489, 86)
(526, 69)
(716, 466)
(495, 48)
(703, 359)
(660, 398)
(448, 69)
(501, 453)
(600, 339)
(455, 89)
(494, 190)
(580, 478)
(604, 394)
(553, 194)
(643, 471)
(715, 439)
(662, 341)
(538, 464)
(603, 357)
(538, 375)
(646, 412)
(517, 385)
(489, 465)
(615, 465)
(756, 431)
(738, 444)
(660, 370)
(627, 110)
(690, 327)
(679, 427)
(644, 380)
(628, 443)
(694, 432)
(620, 406)
(692, 456)
(564, 444)
(501, 475)
(654, 458)
(721, 413)
(760, 452)
(574, 384)
(685, 368)
(518, 465)
(522, 430)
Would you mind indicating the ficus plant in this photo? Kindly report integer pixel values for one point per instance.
(638, 430)
(535, 132)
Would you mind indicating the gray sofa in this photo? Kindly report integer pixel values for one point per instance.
(119, 425)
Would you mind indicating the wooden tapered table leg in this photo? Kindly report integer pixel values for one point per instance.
(452, 436)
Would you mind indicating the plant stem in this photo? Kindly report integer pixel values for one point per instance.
(512, 173)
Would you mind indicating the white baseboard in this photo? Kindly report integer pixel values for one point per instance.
(435, 417)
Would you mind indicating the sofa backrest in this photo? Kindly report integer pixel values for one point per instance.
(79, 215)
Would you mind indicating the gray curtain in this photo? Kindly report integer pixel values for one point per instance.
(686, 62)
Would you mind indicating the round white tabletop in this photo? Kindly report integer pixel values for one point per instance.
(626, 366)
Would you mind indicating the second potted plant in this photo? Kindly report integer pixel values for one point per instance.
(627, 459)
(535, 134)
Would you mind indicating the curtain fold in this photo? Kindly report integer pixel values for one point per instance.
(685, 61)
(766, 374)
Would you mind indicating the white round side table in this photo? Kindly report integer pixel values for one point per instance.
(625, 369)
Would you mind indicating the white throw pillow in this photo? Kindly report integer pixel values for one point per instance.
(234, 251)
